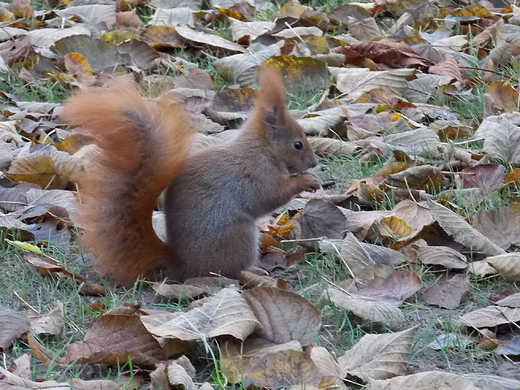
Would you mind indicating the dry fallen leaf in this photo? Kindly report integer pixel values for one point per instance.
(113, 339)
(443, 256)
(463, 232)
(284, 316)
(507, 265)
(424, 380)
(226, 313)
(380, 356)
(13, 324)
(491, 316)
(447, 294)
(50, 324)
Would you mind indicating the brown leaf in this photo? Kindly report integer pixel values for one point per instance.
(250, 279)
(424, 380)
(397, 287)
(501, 138)
(442, 255)
(393, 54)
(115, 338)
(47, 265)
(380, 356)
(13, 324)
(284, 316)
(507, 265)
(333, 147)
(368, 308)
(271, 366)
(416, 215)
(22, 8)
(100, 384)
(447, 294)
(212, 40)
(422, 177)
(78, 66)
(356, 259)
(9, 380)
(226, 313)
(178, 291)
(500, 226)
(481, 268)
(50, 324)
(512, 301)
(49, 170)
(505, 97)
(392, 227)
(321, 219)
(47, 357)
(22, 366)
(355, 82)
(491, 316)
(448, 66)
(461, 231)
(485, 176)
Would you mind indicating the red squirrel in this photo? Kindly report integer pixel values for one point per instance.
(213, 197)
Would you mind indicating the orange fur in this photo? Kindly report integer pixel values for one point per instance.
(143, 145)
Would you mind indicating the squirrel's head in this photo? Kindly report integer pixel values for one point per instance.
(286, 138)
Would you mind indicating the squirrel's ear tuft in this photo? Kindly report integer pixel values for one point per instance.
(272, 90)
(270, 103)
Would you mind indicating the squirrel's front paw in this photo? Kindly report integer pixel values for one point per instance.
(310, 182)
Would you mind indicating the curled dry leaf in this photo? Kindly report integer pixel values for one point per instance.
(51, 323)
(463, 232)
(422, 177)
(481, 268)
(226, 313)
(47, 357)
(447, 294)
(250, 279)
(208, 39)
(507, 265)
(392, 227)
(380, 356)
(284, 315)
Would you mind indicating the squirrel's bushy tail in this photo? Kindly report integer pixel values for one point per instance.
(142, 146)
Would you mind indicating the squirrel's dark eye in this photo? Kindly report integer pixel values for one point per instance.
(298, 145)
